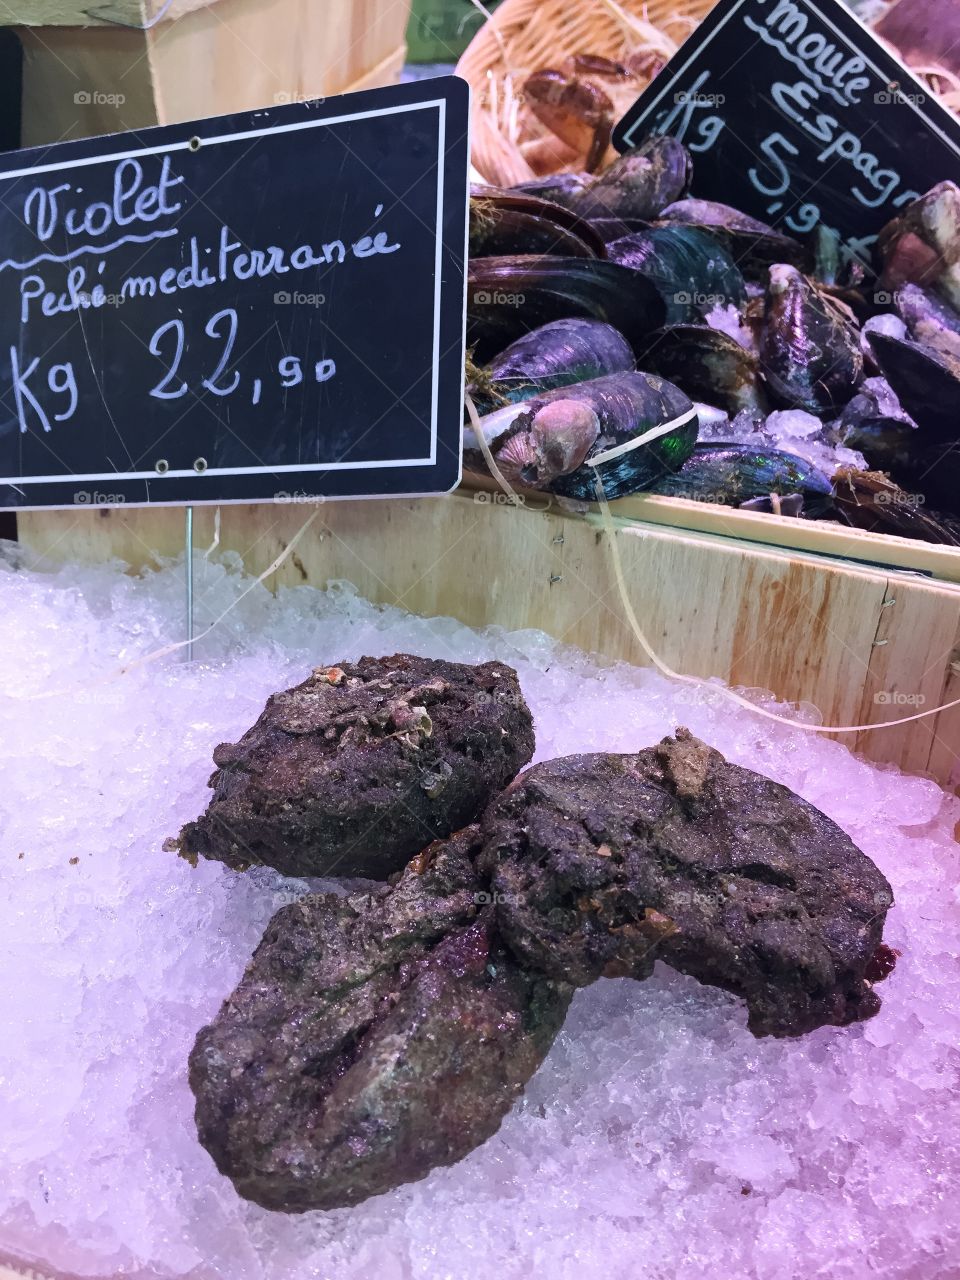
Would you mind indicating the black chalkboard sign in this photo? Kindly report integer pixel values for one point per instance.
(247, 308)
(796, 114)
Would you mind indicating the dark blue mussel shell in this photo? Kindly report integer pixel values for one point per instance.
(691, 270)
(730, 474)
(627, 405)
(509, 296)
(558, 354)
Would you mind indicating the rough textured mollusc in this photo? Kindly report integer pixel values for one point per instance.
(372, 1038)
(359, 767)
(602, 864)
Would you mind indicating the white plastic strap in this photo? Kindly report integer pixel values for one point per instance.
(653, 434)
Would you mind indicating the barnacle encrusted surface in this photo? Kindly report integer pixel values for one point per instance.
(359, 767)
(372, 1038)
(602, 864)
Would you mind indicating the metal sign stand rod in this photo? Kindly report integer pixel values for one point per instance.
(188, 560)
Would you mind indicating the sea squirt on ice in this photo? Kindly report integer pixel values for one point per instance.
(603, 864)
(357, 768)
(376, 1036)
(372, 1038)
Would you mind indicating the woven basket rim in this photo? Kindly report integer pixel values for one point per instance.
(522, 35)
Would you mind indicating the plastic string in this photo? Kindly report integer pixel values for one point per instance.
(177, 645)
(628, 446)
(216, 536)
(180, 644)
(610, 530)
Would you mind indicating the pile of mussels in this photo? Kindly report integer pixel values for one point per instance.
(784, 376)
(387, 1025)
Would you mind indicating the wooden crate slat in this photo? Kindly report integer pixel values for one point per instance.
(819, 537)
(798, 624)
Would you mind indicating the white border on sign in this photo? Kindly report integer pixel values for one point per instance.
(917, 107)
(167, 148)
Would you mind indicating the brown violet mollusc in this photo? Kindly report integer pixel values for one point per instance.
(602, 864)
(359, 767)
(372, 1038)
(381, 1034)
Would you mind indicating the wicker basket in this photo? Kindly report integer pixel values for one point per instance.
(526, 35)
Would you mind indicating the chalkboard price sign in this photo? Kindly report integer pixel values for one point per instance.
(238, 309)
(796, 114)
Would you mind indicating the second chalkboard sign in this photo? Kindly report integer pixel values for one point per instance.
(796, 114)
(245, 308)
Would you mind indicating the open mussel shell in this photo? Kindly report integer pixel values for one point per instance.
(753, 245)
(730, 474)
(640, 183)
(926, 382)
(921, 245)
(507, 297)
(555, 355)
(690, 269)
(871, 500)
(708, 365)
(810, 355)
(505, 222)
(929, 320)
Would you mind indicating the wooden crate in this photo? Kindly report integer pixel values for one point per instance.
(850, 628)
(203, 59)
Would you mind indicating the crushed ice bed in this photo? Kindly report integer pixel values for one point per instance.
(659, 1141)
